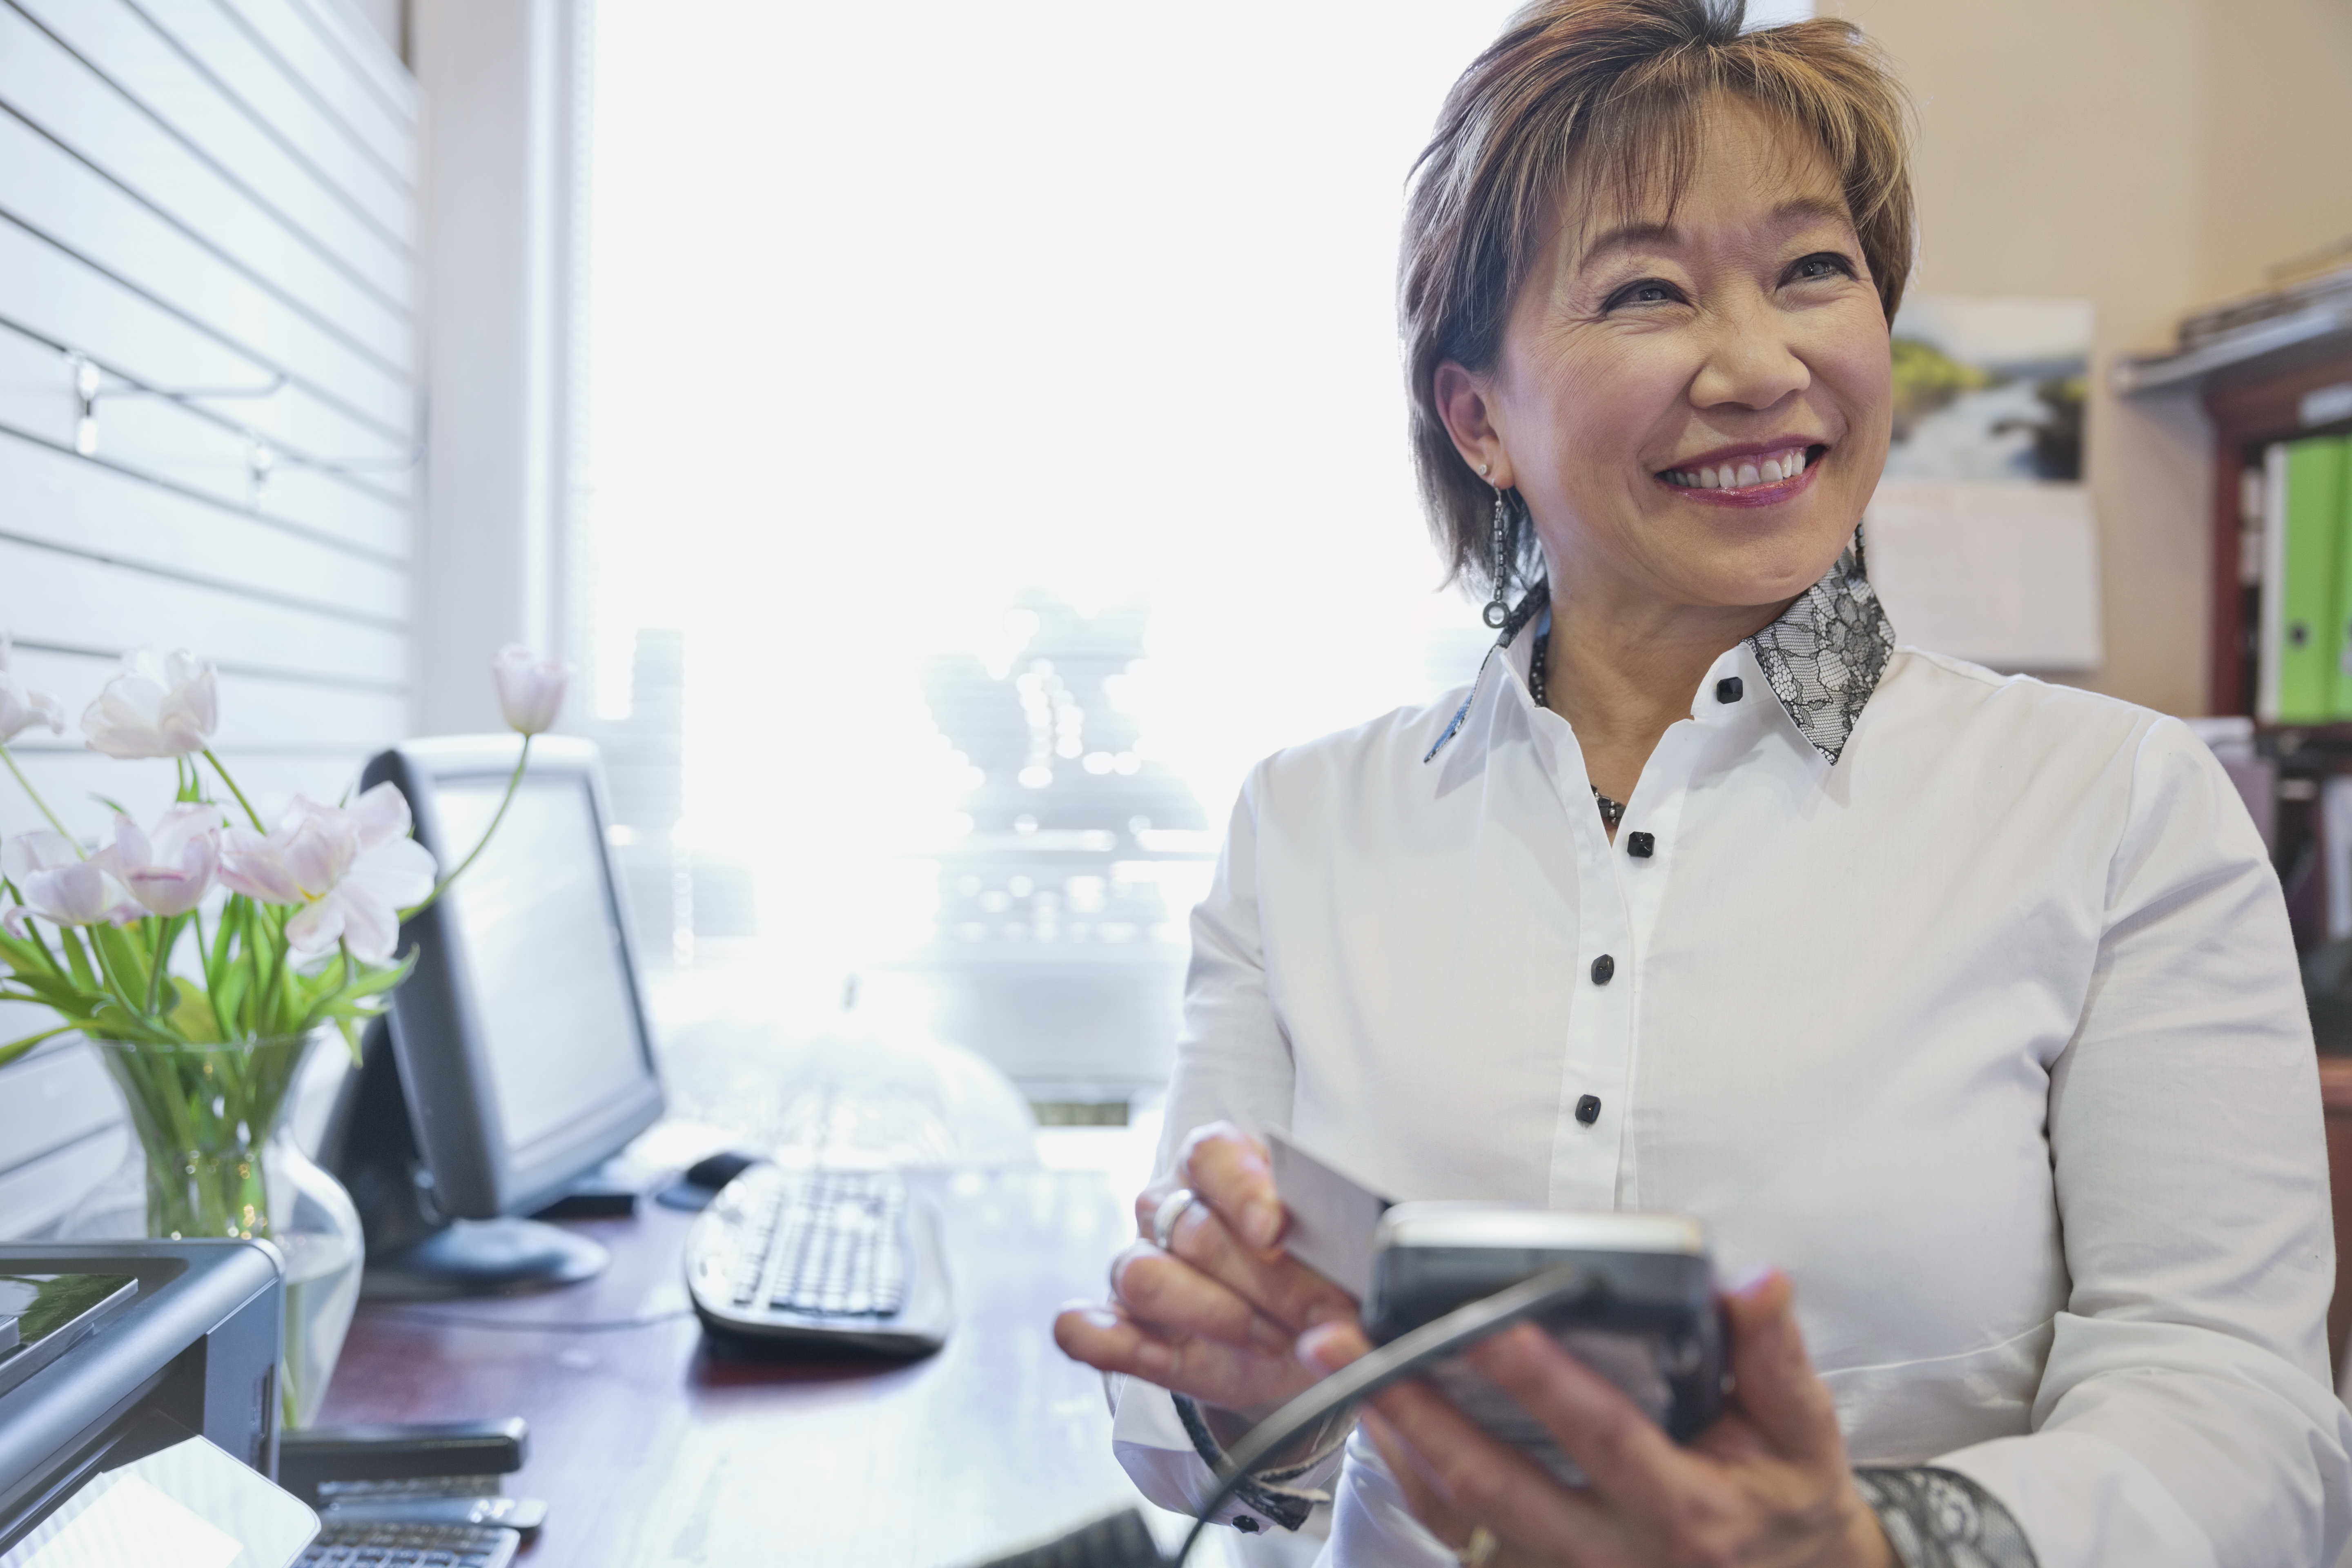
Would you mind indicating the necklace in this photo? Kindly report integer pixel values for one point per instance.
(1611, 811)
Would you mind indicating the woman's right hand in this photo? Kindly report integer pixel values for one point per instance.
(1216, 1315)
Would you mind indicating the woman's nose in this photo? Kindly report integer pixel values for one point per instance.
(1750, 359)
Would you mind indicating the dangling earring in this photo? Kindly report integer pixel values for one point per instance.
(1496, 612)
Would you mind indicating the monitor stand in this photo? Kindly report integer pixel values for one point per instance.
(413, 1252)
(482, 1258)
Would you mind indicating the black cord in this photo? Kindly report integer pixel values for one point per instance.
(525, 1326)
(1400, 1358)
(1123, 1541)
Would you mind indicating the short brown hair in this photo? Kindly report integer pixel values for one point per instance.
(1625, 84)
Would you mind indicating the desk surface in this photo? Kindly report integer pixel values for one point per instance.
(650, 1451)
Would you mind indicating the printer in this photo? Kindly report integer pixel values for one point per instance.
(127, 1349)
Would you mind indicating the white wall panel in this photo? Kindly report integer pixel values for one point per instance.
(360, 33)
(65, 600)
(39, 1191)
(340, 91)
(52, 296)
(42, 83)
(189, 108)
(193, 451)
(44, 192)
(84, 509)
(209, 199)
(58, 1096)
(210, 36)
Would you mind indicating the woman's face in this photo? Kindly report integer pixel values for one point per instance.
(1695, 411)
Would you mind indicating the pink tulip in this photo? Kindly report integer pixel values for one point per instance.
(530, 690)
(59, 886)
(170, 870)
(20, 708)
(160, 705)
(353, 870)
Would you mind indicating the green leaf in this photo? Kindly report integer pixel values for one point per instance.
(192, 1014)
(78, 959)
(27, 952)
(124, 966)
(61, 995)
(15, 1049)
(113, 1021)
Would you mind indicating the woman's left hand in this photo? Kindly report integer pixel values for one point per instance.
(1767, 1485)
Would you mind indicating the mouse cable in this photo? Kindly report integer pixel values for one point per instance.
(530, 1326)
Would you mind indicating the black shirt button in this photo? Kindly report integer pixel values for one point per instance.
(1247, 1525)
(1730, 688)
(1602, 968)
(1641, 846)
(1588, 1110)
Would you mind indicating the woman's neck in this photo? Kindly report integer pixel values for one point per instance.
(1621, 674)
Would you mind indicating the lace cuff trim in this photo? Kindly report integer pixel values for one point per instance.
(1941, 1519)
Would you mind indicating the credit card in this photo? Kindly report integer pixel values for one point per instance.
(1332, 1216)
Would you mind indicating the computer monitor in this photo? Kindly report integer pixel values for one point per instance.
(517, 1056)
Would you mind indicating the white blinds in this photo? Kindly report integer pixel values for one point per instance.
(210, 202)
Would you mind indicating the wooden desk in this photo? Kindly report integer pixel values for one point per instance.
(651, 1451)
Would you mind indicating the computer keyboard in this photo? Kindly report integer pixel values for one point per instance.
(342, 1544)
(820, 1259)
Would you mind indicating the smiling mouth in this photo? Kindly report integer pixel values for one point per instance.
(1753, 474)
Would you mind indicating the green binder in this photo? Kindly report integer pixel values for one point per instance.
(2339, 668)
(2306, 635)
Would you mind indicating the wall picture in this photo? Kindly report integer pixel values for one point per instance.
(1981, 535)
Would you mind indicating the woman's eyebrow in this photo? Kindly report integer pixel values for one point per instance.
(1794, 213)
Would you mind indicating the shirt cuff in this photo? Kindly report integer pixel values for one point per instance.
(1288, 1493)
(1941, 1519)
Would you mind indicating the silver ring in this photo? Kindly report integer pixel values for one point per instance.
(1163, 1219)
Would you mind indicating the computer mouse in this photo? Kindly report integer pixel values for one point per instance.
(714, 1171)
(700, 1182)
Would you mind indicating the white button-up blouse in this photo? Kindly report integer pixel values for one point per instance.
(1989, 1032)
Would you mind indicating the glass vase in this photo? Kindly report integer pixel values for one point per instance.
(212, 1155)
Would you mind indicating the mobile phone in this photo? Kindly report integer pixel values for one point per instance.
(1647, 1321)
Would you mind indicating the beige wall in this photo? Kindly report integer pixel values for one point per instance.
(2149, 155)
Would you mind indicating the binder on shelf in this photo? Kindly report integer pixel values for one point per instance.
(2304, 643)
(2336, 498)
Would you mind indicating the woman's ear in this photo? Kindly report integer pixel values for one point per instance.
(1464, 402)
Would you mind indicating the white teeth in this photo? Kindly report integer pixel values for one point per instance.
(1771, 471)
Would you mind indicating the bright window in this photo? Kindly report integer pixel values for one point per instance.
(914, 324)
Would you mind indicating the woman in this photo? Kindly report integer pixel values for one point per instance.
(1966, 1002)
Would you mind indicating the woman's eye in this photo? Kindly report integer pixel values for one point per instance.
(1648, 291)
(1824, 264)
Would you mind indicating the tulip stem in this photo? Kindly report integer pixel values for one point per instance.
(250, 812)
(514, 783)
(44, 805)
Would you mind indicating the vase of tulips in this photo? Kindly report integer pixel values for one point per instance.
(205, 954)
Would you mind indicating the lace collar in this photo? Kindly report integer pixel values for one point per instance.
(1821, 657)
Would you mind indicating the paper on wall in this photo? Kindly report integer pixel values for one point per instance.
(2001, 573)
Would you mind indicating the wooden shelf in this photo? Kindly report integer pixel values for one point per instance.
(2248, 414)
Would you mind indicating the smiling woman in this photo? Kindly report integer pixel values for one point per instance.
(1962, 1010)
